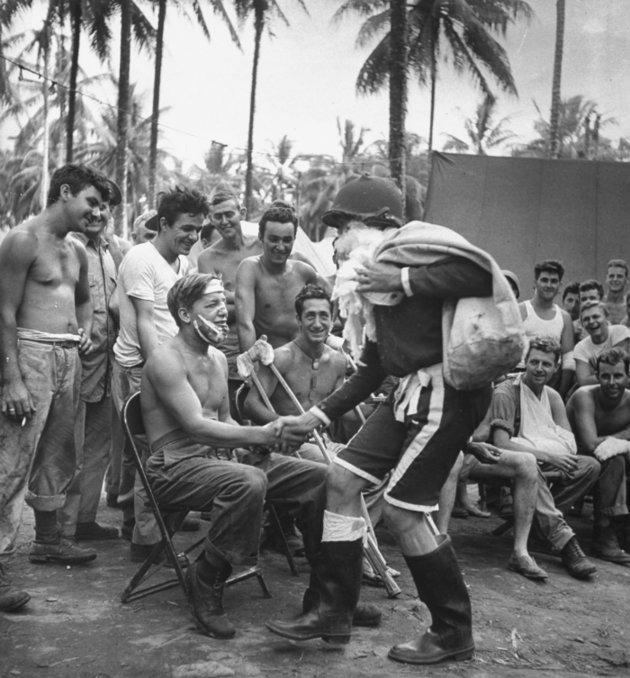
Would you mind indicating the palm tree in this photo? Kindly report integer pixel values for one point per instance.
(398, 54)
(218, 7)
(464, 27)
(262, 11)
(554, 117)
(131, 17)
(578, 121)
(482, 130)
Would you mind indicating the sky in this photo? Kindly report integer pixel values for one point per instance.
(308, 71)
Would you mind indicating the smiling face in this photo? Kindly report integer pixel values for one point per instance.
(182, 234)
(595, 322)
(226, 217)
(277, 242)
(540, 366)
(208, 316)
(613, 380)
(547, 285)
(82, 209)
(315, 321)
(616, 279)
(589, 295)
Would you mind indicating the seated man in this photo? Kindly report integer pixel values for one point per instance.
(600, 417)
(311, 368)
(528, 416)
(186, 413)
(601, 336)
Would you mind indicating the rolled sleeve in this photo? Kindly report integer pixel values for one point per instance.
(503, 408)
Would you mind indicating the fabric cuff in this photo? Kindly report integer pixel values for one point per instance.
(320, 414)
(404, 279)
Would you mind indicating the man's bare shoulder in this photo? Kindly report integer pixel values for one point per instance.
(284, 356)
(250, 265)
(583, 395)
(166, 359)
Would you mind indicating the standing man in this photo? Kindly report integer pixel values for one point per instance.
(543, 318)
(416, 434)
(144, 228)
(147, 273)
(267, 284)
(223, 259)
(600, 417)
(96, 420)
(45, 323)
(616, 282)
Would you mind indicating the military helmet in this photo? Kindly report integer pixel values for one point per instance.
(374, 200)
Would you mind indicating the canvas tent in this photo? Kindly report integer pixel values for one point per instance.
(522, 210)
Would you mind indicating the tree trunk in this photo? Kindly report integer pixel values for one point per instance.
(122, 126)
(260, 7)
(46, 126)
(159, 48)
(75, 26)
(398, 91)
(554, 117)
(432, 102)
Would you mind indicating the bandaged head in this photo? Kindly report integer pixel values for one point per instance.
(190, 289)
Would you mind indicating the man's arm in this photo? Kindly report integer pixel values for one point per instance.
(451, 277)
(583, 415)
(17, 253)
(502, 424)
(167, 377)
(145, 325)
(83, 301)
(584, 374)
(255, 408)
(245, 302)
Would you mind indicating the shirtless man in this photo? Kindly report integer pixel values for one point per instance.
(267, 284)
(45, 323)
(542, 317)
(312, 369)
(223, 259)
(186, 414)
(616, 282)
(600, 417)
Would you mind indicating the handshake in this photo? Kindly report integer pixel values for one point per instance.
(290, 431)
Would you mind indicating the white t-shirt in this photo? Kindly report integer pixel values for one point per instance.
(588, 352)
(145, 274)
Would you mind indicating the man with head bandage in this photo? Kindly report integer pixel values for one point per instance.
(194, 441)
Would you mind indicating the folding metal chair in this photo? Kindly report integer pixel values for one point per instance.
(168, 521)
(239, 402)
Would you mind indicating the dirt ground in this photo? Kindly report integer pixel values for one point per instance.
(76, 627)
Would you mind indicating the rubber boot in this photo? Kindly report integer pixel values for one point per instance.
(441, 588)
(205, 581)
(365, 614)
(11, 599)
(338, 566)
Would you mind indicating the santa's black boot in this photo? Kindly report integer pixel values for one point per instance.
(441, 588)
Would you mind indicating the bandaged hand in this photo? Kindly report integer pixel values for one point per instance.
(261, 351)
(611, 447)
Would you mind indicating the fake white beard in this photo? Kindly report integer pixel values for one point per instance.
(356, 247)
(209, 332)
